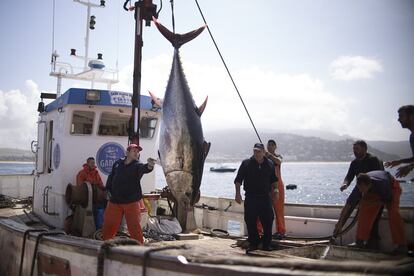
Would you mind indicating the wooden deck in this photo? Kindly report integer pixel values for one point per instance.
(213, 255)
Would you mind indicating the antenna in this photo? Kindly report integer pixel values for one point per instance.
(93, 69)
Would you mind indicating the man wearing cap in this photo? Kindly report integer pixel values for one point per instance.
(124, 188)
(257, 174)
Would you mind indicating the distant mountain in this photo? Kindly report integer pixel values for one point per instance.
(236, 144)
(400, 148)
(326, 135)
(9, 154)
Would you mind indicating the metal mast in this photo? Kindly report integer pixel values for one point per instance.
(144, 11)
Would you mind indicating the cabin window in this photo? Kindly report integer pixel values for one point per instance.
(82, 122)
(113, 125)
(147, 127)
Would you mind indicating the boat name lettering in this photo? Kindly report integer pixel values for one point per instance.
(120, 98)
(107, 155)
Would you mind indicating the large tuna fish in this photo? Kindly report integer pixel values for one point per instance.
(182, 149)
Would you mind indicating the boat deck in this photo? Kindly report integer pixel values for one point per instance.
(226, 256)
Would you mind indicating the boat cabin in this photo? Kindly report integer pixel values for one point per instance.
(84, 123)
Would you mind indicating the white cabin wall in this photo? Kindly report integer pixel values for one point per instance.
(80, 147)
(49, 177)
(74, 150)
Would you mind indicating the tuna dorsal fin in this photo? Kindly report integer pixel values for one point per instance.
(177, 40)
(156, 100)
(206, 148)
(201, 108)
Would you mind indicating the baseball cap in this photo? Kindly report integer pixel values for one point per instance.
(258, 146)
(134, 146)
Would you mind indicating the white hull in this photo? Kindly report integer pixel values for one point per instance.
(208, 255)
(302, 220)
(79, 256)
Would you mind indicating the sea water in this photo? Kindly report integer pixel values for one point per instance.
(317, 182)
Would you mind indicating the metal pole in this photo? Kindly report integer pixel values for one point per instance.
(136, 96)
(85, 66)
(59, 86)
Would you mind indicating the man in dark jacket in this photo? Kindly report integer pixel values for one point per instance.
(406, 119)
(257, 174)
(364, 162)
(124, 187)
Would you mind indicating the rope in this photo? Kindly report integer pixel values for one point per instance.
(153, 236)
(172, 15)
(11, 202)
(228, 72)
(219, 233)
(125, 5)
(158, 12)
(104, 249)
(117, 38)
(330, 237)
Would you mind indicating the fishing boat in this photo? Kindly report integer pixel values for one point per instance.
(222, 168)
(83, 122)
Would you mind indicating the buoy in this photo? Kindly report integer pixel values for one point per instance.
(291, 187)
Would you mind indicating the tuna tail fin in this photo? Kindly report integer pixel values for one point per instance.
(201, 108)
(177, 40)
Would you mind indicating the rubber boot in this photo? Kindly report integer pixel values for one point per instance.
(358, 244)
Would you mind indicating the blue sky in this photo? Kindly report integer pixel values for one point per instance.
(339, 66)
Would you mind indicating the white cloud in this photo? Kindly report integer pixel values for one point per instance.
(155, 74)
(280, 102)
(275, 101)
(354, 67)
(18, 116)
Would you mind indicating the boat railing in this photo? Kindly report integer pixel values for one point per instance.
(67, 70)
(16, 185)
(301, 219)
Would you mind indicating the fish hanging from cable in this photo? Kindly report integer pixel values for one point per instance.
(182, 149)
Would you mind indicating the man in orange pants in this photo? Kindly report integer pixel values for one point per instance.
(278, 193)
(379, 188)
(123, 186)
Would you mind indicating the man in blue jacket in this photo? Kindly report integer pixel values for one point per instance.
(125, 191)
